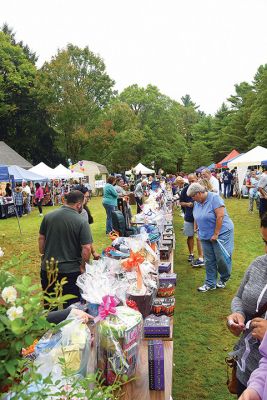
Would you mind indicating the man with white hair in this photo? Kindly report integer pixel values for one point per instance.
(206, 174)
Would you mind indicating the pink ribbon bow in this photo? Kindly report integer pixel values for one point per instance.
(107, 307)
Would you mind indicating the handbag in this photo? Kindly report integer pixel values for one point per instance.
(231, 382)
(231, 362)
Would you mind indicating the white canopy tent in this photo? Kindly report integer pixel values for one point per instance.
(43, 170)
(21, 174)
(141, 168)
(62, 172)
(252, 157)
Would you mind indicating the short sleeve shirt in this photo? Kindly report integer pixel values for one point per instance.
(188, 215)
(205, 217)
(215, 184)
(263, 183)
(65, 233)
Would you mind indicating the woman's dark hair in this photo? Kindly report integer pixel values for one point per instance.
(90, 217)
(264, 221)
(111, 179)
(84, 190)
(37, 185)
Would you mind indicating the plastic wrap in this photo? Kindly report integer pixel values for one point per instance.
(66, 351)
(118, 344)
(102, 279)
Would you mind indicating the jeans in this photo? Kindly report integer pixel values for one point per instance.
(109, 210)
(226, 190)
(69, 288)
(263, 207)
(214, 258)
(19, 210)
(240, 388)
(251, 202)
(27, 206)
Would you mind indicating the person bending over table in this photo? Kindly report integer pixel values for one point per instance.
(213, 224)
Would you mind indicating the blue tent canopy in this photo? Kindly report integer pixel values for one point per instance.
(21, 174)
(4, 174)
(211, 166)
(200, 169)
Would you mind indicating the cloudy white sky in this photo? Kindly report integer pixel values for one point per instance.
(200, 47)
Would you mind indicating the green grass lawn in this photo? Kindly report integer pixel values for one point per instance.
(201, 339)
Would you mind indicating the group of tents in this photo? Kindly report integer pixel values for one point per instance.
(39, 173)
(242, 162)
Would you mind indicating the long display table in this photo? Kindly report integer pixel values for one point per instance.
(138, 389)
(7, 210)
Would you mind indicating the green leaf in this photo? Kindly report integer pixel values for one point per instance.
(17, 326)
(18, 347)
(28, 340)
(10, 366)
(4, 320)
(26, 280)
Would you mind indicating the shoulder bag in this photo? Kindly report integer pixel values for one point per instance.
(231, 362)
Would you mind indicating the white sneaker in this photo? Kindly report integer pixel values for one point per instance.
(206, 288)
(40, 215)
(221, 284)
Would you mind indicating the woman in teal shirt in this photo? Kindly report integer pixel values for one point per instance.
(110, 197)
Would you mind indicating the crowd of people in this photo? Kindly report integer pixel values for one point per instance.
(205, 216)
(66, 237)
(28, 194)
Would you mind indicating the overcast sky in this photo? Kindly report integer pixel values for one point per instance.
(199, 47)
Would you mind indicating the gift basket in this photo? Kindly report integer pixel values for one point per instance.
(68, 351)
(143, 287)
(102, 278)
(119, 334)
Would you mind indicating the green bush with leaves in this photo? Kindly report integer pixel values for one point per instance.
(22, 321)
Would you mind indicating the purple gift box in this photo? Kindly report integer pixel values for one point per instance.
(168, 278)
(157, 326)
(156, 365)
(164, 267)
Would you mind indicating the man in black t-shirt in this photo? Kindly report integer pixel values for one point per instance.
(187, 203)
(65, 237)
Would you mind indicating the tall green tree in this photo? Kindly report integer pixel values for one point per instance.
(31, 56)
(74, 87)
(158, 118)
(22, 120)
(199, 155)
(257, 124)
(187, 101)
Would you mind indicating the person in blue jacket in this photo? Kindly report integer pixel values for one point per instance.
(110, 197)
